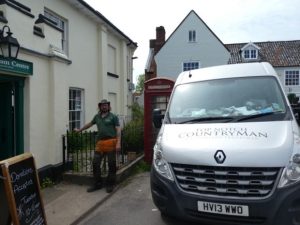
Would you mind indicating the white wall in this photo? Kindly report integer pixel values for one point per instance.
(281, 74)
(208, 50)
(46, 92)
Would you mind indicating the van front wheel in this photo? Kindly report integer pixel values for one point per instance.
(165, 215)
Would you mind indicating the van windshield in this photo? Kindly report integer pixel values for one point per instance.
(230, 99)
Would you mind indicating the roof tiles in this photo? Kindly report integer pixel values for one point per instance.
(278, 53)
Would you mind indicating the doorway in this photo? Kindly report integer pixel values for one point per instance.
(11, 116)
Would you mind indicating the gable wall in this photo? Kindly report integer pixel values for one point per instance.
(207, 50)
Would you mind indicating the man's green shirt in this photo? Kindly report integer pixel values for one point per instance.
(106, 125)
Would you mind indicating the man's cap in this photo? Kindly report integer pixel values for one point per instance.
(104, 101)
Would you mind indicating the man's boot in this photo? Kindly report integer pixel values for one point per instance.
(110, 183)
(110, 188)
(95, 187)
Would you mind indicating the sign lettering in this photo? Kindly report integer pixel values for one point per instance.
(166, 86)
(16, 66)
(224, 133)
(22, 191)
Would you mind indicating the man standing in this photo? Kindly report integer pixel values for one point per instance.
(108, 142)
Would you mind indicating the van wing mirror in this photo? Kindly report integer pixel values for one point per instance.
(157, 117)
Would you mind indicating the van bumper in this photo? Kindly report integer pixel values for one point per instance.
(282, 208)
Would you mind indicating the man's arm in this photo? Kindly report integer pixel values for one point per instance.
(86, 126)
(118, 145)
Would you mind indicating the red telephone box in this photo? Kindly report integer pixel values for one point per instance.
(157, 92)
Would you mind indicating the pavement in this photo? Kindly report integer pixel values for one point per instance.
(68, 202)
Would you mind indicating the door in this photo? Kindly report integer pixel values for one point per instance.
(7, 148)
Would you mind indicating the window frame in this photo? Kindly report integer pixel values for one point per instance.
(112, 58)
(62, 24)
(250, 53)
(76, 110)
(253, 54)
(192, 36)
(247, 54)
(190, 67)
(292, 81)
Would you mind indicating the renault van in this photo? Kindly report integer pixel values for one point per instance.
(228, 150)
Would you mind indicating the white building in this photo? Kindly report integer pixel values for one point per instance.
(283, 55)
(194, 45)
(70, 58)
(191, 45)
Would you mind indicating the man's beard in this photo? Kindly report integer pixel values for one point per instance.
(104, 110)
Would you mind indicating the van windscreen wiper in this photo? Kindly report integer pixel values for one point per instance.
(253, 116)
(204, 119)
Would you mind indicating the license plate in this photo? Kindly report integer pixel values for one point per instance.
(226, 209)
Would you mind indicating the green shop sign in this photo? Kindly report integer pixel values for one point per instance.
(16, 66)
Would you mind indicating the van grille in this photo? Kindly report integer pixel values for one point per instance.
(226, 181)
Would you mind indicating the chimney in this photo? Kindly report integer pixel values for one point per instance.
(160, 38)
(160, 34)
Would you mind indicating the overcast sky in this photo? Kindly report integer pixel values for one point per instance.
(233, 21)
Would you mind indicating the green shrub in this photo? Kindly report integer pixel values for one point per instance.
(293, 99)
(141, 167)
(133, 131)
(80, 141)
(47, 182)
(132, 136)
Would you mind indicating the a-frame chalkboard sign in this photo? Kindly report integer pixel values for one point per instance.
(20, 184)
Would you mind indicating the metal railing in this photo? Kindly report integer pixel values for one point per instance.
(78, 153)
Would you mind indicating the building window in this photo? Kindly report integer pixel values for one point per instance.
(246, 54)
(253, 54)
(291, 77)
(75, 108)
(250, 54)
(190, 66)
(192, 36)
(160, 102)
(112, 59)
(60, 23)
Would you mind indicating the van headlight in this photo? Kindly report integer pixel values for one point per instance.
(291, 173)
(160, 164)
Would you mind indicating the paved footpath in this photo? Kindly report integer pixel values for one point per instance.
(65, 203)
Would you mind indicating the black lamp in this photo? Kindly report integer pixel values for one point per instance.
(9, 45)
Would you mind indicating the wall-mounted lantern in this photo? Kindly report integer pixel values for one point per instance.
(9, 45)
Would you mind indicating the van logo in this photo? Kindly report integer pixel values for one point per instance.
(220, 156)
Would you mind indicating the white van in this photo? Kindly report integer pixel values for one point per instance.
(228, 150)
